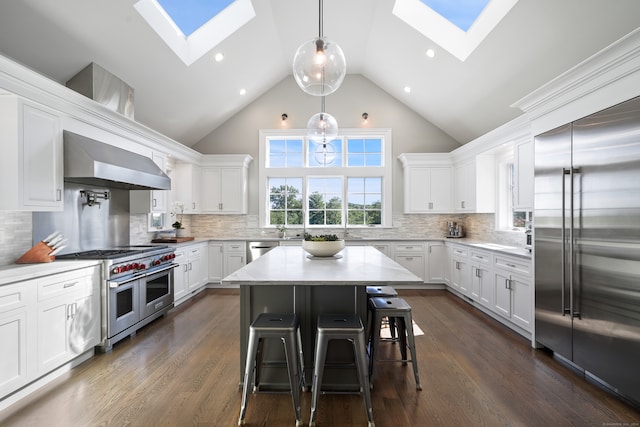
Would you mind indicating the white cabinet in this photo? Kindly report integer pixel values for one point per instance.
(460, 270)
(224, 183)
(514, 297)
(524, 171)
(31, 166)
(147, 201)
(192, 273)
(436, 262)
(186, 186)
(385, 248)
(474, 184)
(68, 317)
(15, 302)
(482, 281)
(235, 256)
(427, 183)
(411, 256)
(216, 262)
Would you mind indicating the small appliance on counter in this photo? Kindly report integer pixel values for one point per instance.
(454, 230)
(527, 231)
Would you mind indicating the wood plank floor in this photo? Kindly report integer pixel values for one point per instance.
(183, 370)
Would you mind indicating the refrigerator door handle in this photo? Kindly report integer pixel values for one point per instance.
(565, 309)
(575, 310)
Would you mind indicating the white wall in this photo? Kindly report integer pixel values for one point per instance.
(411, 132)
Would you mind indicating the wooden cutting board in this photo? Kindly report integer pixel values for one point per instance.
(173, 240)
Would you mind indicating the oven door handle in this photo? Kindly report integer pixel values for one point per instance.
(114, 284)
(169, 267)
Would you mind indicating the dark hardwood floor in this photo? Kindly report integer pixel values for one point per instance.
(183, 370)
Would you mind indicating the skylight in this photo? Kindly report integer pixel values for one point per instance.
(191, 28)
(458, 26)
(189, 15)
(461, 13)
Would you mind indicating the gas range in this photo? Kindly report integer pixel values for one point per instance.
(137, 287)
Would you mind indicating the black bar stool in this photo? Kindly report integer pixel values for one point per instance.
(286, 327)
(398, 309)
(340, 327)
(381, 291)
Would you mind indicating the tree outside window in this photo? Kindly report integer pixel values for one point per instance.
(364, 201)
(325, 201)
(285, 200)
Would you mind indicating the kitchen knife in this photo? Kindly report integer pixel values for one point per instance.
(50, 236)
(56, 250)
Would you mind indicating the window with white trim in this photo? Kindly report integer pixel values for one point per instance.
(344, 183)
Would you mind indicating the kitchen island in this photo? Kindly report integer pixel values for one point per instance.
(288, 280)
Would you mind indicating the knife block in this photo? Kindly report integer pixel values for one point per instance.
(37, 254)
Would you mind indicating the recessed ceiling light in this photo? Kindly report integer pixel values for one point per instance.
(243, 91)
(407, 89)
(430, 53)
(219, 57)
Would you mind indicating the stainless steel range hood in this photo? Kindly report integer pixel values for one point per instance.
(89, 162)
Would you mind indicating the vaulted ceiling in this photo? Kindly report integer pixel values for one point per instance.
(536, 41)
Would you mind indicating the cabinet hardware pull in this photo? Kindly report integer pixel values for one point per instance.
(430, 205)
(190, 267)
(58, 195)
(193, 205)
(68, 285)
(462, 205)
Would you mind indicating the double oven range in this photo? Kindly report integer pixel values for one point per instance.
(136, 288)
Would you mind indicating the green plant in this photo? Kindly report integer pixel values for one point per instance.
(321, 237)
(177, 225)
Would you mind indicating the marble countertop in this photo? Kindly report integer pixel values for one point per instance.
(21, 272)
(354, 265)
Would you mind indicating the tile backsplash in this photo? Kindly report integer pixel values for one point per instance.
(16, 229)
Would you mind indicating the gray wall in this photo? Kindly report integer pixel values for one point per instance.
(411, 133)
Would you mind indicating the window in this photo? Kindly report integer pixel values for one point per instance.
(507, 217)
(346, 182)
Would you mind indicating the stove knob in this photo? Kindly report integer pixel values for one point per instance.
(142, 266)
(173, 256)
(136, 266)
(115, 270)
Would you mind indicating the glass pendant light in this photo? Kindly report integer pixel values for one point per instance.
(319, 65)
(322, 126)
(325, 153)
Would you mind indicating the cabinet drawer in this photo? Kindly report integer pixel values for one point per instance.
(459, 251)
(481, 257)
(63, 284)
(513, 264)
(16, 296)
(235, 247)
(409, 247)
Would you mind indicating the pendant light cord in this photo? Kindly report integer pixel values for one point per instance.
(320, 13)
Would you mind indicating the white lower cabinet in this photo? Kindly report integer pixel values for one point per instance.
(460, 270)
(192, 273)
(45, 323)
(514, 296)
(482, 282)
(411, 256)
(15, 303)
(436, 262)
(216, 262)
(499, 284)
(68, 317)
(235, 256)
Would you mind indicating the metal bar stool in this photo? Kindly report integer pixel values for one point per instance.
(340, 327)
(286, 327)
(398, 309)
(381, 291)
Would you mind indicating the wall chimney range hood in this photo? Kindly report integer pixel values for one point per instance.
(90, 162)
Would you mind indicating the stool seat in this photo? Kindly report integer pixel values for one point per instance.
(381, 291)
(285, 327)
(343, 327)
(398, 309)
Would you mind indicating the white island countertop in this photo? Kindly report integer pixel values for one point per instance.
(354, 265)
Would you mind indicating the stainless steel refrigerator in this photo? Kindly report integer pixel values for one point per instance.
(587, 245)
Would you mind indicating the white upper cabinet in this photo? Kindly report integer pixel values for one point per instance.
(186, 186)
(31, 165)
(474, 183)
(427, 183)
(147, 201)
(524, 154)
(224, 184)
